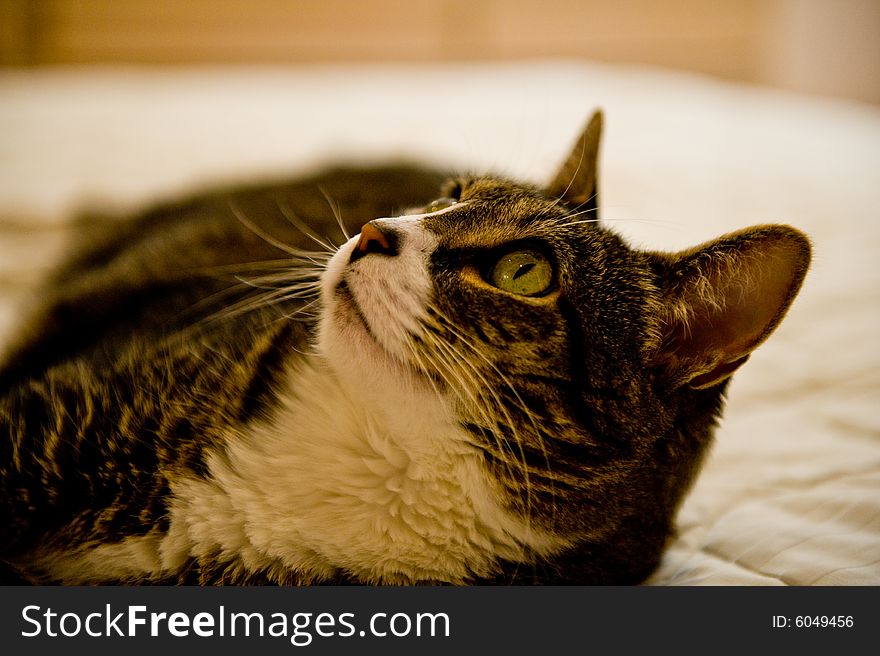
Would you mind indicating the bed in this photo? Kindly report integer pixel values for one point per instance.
(791, 492)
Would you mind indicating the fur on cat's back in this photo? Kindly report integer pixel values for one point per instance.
(484, 385)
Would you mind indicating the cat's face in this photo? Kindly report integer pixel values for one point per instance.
(587, 375)
(529, 319)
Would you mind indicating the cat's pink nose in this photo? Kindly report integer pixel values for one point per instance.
(375, 239)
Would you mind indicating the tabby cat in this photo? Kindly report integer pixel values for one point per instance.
(491, 388)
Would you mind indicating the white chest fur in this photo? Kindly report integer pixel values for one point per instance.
(387, 490)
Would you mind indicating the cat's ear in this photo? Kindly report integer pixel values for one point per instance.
(576, 182)
(723, 299)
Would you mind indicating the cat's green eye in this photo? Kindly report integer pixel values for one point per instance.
(525, 272)
(440, 204)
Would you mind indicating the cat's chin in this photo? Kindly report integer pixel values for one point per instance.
(352, 349)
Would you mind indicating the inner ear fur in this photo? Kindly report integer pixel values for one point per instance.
(721, 300)
(577, 180)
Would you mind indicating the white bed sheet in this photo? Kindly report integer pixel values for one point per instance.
(791, 492)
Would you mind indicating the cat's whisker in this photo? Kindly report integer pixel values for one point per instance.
(313, 257)
(607, 220)
(498, 403)
(266, 299)
(495, 400)
(468, 388)
(296, 295)
(489, 418)
(250, 225)
(290, 274)
(566, 219)
(337, 213)
(467, 342)
(294, 284)
(574, 223)
(302, 276)
(522, 405)
(303, 311)
(213, 299)
(460, 388)
(465, 381)
(305, 279)
(301, 287)
(299, 224)
(429, 368)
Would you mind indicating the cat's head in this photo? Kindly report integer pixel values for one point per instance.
(587, 375)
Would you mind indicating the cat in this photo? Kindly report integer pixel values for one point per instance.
(492, 388)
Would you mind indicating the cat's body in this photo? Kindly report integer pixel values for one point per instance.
(490, 389)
